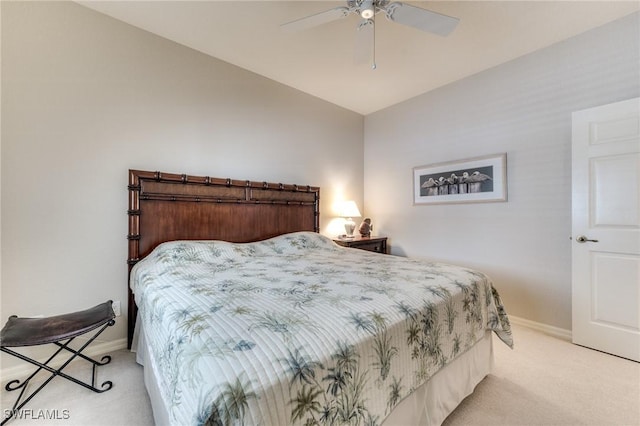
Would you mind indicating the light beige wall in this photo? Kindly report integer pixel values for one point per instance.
(85, 98)
(522, 108)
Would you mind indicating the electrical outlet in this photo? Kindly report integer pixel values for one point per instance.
(116, 307)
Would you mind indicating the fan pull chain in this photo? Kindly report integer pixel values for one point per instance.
(373, 64)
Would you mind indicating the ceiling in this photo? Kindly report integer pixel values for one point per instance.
(320, 61)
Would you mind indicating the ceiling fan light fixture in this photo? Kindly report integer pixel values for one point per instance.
(367, 9)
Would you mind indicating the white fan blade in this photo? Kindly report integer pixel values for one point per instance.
(363, 52)
(422, 19)
(315, 20)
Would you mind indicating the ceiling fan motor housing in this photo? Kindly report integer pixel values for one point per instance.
(367, 8)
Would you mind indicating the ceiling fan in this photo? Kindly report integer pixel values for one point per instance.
(401, 13)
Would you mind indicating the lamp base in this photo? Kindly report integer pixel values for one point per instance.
(349, 227)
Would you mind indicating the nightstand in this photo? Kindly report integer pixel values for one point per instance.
(373, 243)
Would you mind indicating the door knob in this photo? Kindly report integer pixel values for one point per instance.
(583, 239)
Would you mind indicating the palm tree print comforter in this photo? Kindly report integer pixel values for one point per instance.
(298, 330)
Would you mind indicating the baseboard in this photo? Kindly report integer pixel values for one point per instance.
(560, 333)
(94, 350)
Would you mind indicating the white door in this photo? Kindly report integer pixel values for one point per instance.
(606, 228)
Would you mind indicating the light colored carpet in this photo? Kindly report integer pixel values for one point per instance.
(544, 381)
(548, 381)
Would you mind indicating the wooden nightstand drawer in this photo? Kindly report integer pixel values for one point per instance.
(375, 244)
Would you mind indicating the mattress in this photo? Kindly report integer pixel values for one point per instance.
(298, 330)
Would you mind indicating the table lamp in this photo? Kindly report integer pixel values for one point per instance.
(349, 211)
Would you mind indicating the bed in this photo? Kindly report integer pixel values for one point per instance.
(242, 313)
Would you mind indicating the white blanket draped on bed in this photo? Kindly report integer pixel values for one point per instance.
(297, 330)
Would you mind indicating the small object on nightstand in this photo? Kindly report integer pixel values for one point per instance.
(365, 227)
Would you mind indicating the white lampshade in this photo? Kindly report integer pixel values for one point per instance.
(350, 209)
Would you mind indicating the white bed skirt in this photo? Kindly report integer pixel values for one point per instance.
(429, 405)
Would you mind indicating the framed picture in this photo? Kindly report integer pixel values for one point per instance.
(475, 180)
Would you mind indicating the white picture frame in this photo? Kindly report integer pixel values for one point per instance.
(473, 180)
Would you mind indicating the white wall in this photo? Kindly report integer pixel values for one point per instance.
(85, 98)
(522, 108)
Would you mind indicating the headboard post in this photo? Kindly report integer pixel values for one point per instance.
(167, 207)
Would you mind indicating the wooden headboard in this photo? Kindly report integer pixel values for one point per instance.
(167, 207)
